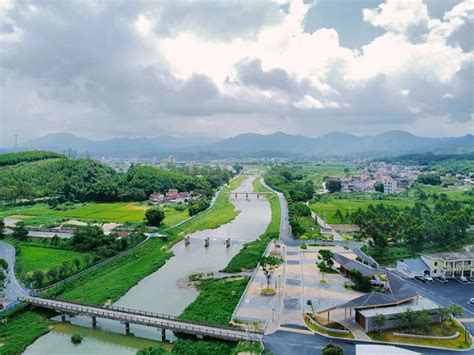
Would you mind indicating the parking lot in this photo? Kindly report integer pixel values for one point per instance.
(447, 293)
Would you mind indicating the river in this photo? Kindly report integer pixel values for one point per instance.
(164, 291)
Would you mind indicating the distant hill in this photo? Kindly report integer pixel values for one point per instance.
(258, 145)
(116, 147)
(338, 144)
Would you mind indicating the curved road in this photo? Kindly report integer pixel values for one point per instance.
(13, 289)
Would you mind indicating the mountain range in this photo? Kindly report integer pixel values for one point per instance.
(252, 144)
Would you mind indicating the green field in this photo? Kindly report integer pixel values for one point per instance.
(350, 202)
(317, 172)
(119, 212)
(331, 204)
(114, 279)
(37, 258)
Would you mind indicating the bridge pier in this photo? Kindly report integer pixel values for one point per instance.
(206, 242)
(246, 195)
(63, 317)
(94, 321)
(127, 328)
(163, 335)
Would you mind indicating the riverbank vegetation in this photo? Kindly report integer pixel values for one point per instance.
(248, 257)
(216, 301)
(21, 329)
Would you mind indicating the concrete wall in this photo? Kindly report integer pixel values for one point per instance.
(393, 322)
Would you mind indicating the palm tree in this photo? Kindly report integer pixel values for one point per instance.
(310, 303)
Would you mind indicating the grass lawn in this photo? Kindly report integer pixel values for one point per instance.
(22, 329)
(350, 203)
(317, 172)
(326, 332)
(457, 343)
(114, 279)
(90, 212)
(216, 301)
(235, 182)
(221, 213)
(249, 255)
(38, 258)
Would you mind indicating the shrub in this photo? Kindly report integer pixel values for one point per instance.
(76, 338)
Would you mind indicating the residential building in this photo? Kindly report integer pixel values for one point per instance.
(171, 196)
(389, 186)
(450, 264)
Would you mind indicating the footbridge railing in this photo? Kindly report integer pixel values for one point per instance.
(131, 316)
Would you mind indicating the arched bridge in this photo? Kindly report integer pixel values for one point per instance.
(132, 316)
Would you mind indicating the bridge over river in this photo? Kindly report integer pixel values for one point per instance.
(156, 320)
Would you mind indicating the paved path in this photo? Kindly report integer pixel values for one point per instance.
(143, 318)
(13, 288)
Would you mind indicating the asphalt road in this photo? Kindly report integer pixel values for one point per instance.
(452, 292)
(13, 289)
(289, 343)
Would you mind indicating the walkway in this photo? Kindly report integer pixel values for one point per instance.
(13, 288)
(143, 318)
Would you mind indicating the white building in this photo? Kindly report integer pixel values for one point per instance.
(450, 264)
(389, 186)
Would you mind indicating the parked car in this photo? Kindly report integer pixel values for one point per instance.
(441, 278)
(428, 278)
(420, 278)
(461, 278)
(471, 301)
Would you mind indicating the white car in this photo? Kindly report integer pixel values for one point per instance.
(428, 278)
(462, 278)
(471, 301)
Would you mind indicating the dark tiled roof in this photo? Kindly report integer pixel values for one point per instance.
(350, 264)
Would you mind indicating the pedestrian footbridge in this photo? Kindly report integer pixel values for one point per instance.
(132, 316)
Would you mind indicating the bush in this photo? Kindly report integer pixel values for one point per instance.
(76, 338)
(332, 349)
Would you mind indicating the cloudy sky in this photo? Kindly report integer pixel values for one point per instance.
(103, 68)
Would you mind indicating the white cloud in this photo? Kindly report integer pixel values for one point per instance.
(168, 66)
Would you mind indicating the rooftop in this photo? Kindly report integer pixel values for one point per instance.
(350, 264)
(458, 255)
(414, 305)
(416, 264)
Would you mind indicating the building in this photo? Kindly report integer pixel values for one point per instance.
(171, 196)
(389, 186)
(366, 317)
(450, 264)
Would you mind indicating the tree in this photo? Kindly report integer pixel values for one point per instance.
(333, 185)
(429, 179)
(423, 321)
(20, 232)
(55, 240)
(338, 215)
(310, 303)
(2, 229)
(76, 338)
(332, 349)
(407, 318)
(38, 278)
(456, 310)
(378, 186)
(444, 315)
(155, 216)
(361, 282)
(53, 274)
(3, 264)
(379, 321)
(269, 265)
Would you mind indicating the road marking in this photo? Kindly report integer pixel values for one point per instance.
(466, 320)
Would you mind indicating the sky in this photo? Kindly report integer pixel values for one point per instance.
(141, 68)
